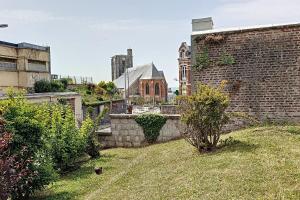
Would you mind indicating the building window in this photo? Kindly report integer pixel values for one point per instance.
(156, 89)
(181, 55)
(183, 72)
(8, 64)
(35, 65)
(147, 89)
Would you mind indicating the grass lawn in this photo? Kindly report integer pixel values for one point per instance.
(263, 164)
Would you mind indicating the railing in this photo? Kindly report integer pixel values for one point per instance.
(74, 79)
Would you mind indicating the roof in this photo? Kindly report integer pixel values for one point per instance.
(185, 45)
(145, 72)
(246, 28)
(24, 45)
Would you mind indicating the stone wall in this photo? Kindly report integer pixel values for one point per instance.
(125, 132)
(265, 79)
(115, 107)
(169, 109)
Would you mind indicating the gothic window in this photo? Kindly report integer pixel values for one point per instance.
(156, 89)
(183, 72)
(147, 89)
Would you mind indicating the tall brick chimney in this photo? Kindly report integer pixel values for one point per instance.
(130, 58)
(202, 24)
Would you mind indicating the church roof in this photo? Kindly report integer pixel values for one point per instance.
(145, 72)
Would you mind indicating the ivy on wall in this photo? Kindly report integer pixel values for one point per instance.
(203, 60)
(151, 124)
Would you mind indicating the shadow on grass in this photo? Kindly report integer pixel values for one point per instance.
(236, 146)
(88, 169)
(56, 196)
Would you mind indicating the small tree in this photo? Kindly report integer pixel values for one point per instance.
(204, 115)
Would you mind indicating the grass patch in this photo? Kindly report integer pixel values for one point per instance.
(257, 163)
(295, 130)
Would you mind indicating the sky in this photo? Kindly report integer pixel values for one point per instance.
(85, 34)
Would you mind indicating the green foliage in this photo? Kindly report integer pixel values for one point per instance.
(295, 130)
(65, 82)
(103, 91)
(151, 124)
(176, 92)
(226, 59)
(64, 139)
(42, 86)
(204, 115)
(28, 132)
(88, 129)
(202, 60)
(57, 86)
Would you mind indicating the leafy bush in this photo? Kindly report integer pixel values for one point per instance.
(14, 168)
(42, 86)
(57, 86)
(27, 133)
(88, 129)
(204, 115)
(65, 82)
(65, 141)
(151, 124)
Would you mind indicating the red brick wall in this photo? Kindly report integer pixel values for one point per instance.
(265, 80)
(162, 90)
(187, 62)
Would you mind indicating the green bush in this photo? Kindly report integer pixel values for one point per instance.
(65, 82)
(151, 124)
(57, 86)
(204, 116)
(88, 128)
(29, 133)
(42, 86)
(65, 141)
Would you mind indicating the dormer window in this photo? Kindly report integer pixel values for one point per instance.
(182, 52)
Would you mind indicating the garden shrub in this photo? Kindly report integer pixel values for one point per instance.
(65, 82)
(57, 86)
(14, 168)
(204, 116)
(65, 141)
(27, 133)
(43, 86)
(151, 124)
(88, 128)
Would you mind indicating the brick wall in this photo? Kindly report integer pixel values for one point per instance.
(265, 80)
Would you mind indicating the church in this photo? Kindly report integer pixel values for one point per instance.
(144, 81)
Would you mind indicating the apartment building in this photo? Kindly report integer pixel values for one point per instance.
(22, 64)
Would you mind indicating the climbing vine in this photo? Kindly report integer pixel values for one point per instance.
(151, 124)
